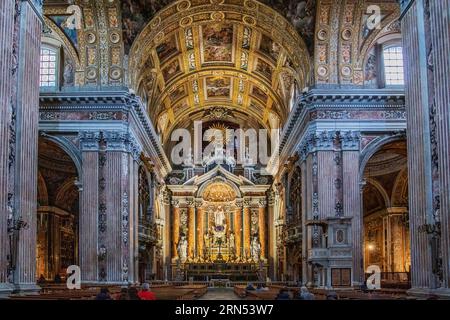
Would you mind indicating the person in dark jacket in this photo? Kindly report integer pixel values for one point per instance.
(283, 295)
(103, 295)
(133, 293)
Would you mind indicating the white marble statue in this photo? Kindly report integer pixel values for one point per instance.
(182, 249)
(256, 249)
(219, 217)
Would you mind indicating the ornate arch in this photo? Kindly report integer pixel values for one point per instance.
(374, 146)
(381, 190)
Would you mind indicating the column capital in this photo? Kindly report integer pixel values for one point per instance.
(89, 140)
(190, 202)
(175, 203)
(350, 141)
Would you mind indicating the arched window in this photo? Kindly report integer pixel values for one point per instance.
(393, 65)
(48, 76)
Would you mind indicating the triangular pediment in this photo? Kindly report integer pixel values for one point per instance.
(218, 171)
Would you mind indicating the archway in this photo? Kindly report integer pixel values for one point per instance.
(57, 212)
(385, 213)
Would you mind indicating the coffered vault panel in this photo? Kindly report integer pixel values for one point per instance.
(205, 55)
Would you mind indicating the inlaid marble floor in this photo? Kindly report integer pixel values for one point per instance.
(220, 294)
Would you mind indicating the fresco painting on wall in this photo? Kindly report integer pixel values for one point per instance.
(217, 43)
(218, 87)
(166, 49)
(171, 70)
(177, 93)
(136, 14)
(60, 21)
(258, 93)
(269, 47)
(264, 68)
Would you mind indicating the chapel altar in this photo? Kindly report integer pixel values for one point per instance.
(219, 227)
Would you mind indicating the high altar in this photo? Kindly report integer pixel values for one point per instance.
(219, 227)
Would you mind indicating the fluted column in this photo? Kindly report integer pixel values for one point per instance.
(26, 135)
(246, 229)
(440, 35)
(191, 230)
(6, 54)
(271, 247)
(167, 244)
(262, 229)
(89, 201)
(352, 208)
(420, 181)
(238, 230)
(175, 229)
(200, 224)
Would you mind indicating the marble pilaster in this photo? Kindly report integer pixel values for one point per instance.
(25, 169)
(6, 56)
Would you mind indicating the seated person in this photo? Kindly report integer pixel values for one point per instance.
(41, 279)
(250, 287)
(304, 294)
(283, 295)
(103, 295)
(145, 293)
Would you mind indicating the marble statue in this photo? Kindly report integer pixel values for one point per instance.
(182, 249)
(219, 217)
(256, 249)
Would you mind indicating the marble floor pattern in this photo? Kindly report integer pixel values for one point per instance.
(220, 294)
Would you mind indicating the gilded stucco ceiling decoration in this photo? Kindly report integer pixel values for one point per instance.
(95, 39)
(242, 56)
(219, 192)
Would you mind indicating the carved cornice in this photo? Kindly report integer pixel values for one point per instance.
(98, 103)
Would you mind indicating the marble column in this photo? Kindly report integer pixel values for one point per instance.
(262, 230)
(89, 200)
(175, 229)
(167, 234)
(420, 182)
(440, 35)
(120, 220)
(238, 231)
(246, 230)
(191, 230)
(352, 208)
(271, 236)
(200, 231)
(25, 166)
(6, 55)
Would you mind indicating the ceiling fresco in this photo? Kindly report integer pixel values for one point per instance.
(300, 13)
(195, 56)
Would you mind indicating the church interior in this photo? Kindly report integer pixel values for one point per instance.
(129, 129)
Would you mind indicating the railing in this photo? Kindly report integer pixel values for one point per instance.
(394, 280)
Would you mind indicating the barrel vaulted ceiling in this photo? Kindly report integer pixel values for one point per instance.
(217, 59)
(201, 57)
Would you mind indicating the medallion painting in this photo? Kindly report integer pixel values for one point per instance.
(167, 49)
(269, 47)
(218, 87)
(172, 70)
(217, 43)
(264, 69)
